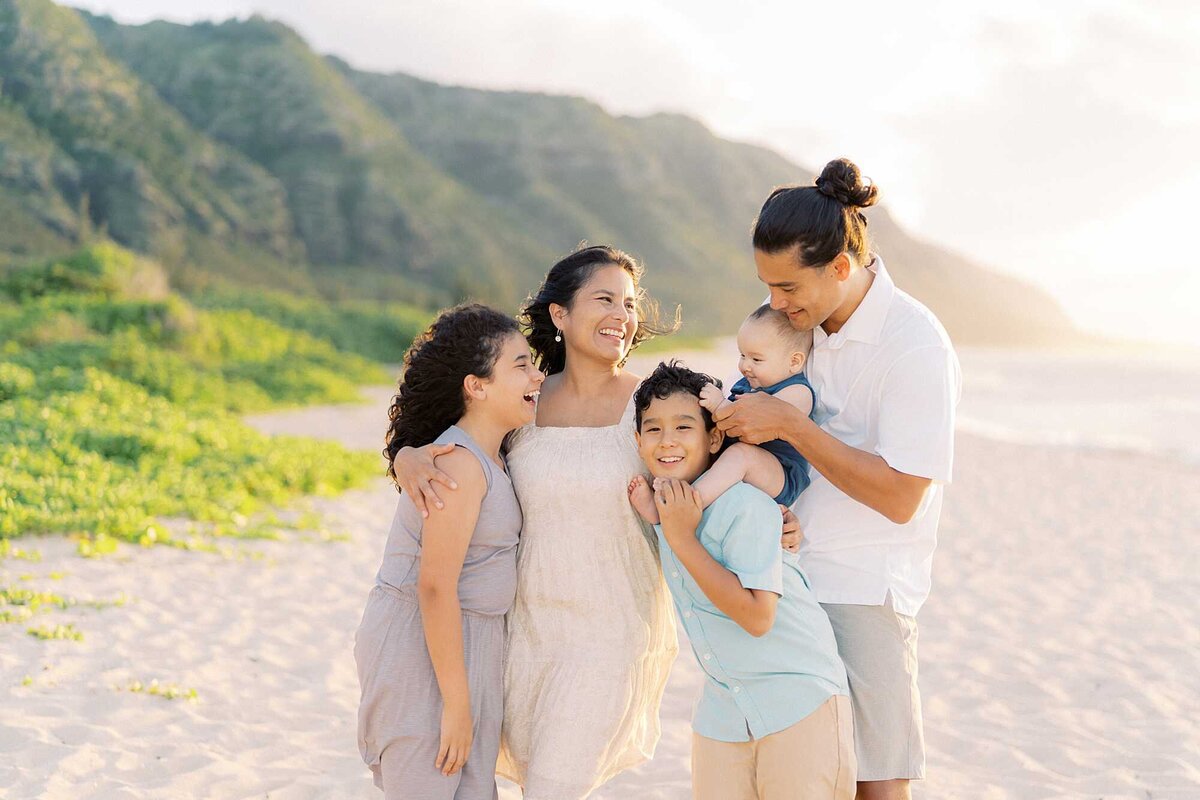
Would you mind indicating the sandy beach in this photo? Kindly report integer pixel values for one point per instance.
(1060, 650)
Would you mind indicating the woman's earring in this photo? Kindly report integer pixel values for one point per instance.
(558, 335)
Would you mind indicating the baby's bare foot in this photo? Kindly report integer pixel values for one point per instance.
(642, 499)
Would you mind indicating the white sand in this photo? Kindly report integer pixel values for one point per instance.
(1060, 649)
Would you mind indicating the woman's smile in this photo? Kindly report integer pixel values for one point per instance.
(616, 334)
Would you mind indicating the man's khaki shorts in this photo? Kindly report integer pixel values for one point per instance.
(879, 648)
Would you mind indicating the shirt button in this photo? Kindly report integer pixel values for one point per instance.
(707, 656)
(737, 689)
(674, 574)
(687, 614)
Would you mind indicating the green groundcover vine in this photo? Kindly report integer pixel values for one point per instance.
(119, 401)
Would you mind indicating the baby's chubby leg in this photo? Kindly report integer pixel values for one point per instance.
(741, 462)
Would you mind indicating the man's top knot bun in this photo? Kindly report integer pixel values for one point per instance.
(803, 220)
(842, 181)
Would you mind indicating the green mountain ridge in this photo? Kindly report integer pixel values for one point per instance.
(139, 170)
(234, 150)
(360, 195)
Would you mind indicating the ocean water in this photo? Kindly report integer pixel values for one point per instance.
(1124, 399)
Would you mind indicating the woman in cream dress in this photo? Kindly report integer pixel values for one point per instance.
(591, 633)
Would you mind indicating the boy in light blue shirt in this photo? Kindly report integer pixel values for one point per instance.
(774, 719)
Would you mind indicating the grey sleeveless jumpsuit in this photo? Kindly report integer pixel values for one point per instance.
(399, 717)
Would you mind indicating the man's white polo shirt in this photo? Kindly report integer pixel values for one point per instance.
(887, 383)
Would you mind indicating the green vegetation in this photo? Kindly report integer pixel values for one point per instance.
(8, 550)
(167, 691)
(379, 332)
(65, 632)
(19, 604)
(34, 600)
(114, 154)
(118, 403)
(358, 194)
(673, 344)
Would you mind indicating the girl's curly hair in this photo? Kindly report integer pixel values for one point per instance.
(562, 282)
(464, 340)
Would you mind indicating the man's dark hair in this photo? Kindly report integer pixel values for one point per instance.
(819, 221)
(671, 378)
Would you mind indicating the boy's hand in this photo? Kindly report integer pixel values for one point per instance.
(792, 535)
(711, 397)
(679, 507)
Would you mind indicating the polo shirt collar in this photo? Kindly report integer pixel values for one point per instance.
(866, 323)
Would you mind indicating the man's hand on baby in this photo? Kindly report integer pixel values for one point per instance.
(711, 397)
(755, 418)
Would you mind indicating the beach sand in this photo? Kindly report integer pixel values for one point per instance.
(1060, 649)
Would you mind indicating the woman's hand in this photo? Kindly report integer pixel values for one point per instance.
(416, 473)
(455, 743)
(792, 535)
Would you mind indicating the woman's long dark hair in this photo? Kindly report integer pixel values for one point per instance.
(562, 282)
(824, 219)
(465, 340)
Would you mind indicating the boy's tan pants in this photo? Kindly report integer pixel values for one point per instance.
(811, 760)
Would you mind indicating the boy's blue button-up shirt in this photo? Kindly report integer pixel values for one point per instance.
(754, 686)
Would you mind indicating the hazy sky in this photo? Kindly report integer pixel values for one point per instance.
(1054, 142)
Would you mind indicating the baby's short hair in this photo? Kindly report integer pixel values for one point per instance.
(800, 341)
(667, 379)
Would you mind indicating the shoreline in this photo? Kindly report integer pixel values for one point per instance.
(978, 400)
(366, 432)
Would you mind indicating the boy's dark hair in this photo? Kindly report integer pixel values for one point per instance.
(671, 378)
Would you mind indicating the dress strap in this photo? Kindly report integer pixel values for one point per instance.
(627, 414)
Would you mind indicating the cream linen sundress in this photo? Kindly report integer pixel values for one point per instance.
(591, 634)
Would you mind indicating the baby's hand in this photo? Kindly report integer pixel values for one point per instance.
(711, 397)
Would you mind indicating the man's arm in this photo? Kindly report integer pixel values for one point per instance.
(863, 476)
(866, 477)
(916, 435)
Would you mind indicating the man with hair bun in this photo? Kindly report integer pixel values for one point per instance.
(881, 446)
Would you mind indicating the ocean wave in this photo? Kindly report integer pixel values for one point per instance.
(1188, 453)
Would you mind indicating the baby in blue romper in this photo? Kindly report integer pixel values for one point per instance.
(772, 357)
